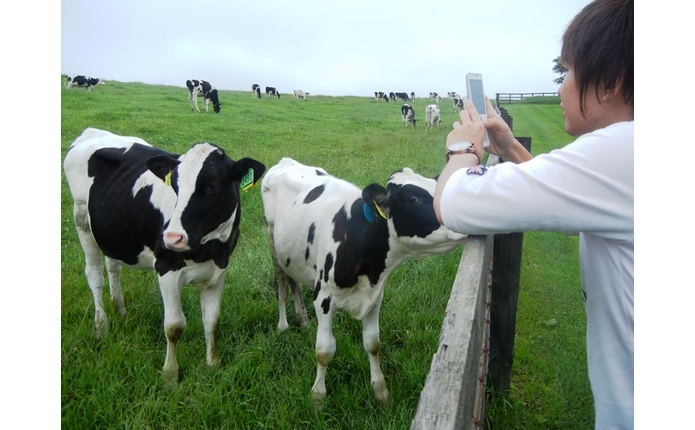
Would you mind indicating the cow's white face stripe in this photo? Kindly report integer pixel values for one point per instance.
(188, 171)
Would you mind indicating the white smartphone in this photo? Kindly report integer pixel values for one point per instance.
(474, 86)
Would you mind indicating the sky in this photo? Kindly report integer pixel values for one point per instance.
(329, 48)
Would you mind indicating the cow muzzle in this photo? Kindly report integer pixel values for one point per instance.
(176, 241)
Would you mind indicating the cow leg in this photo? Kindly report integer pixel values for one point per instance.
(93, 267)
(174, 323)
(371, 342)
(113, 269)
(299, 310)
(205, 103)
(210, 305)
(193, 100)
(325, 346)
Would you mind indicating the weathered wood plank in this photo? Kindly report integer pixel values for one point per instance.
(448, 400)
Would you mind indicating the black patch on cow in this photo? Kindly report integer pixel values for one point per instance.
(326, 305)
(363, 246)
(314, 194)
(327, 266)
(317, 289)
(412, 210)
(320, 173)
(287, 262)
(312, 233)
(307, 253)
(122, 232)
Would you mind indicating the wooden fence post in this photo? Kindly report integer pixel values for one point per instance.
(506, 272)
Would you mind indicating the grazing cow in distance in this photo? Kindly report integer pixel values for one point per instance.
(438, 99)
(433, 96)
(199, 88)
(344, 242)
(452, 95)
(144, 208)
(300, 94)
(381, 96)
(402, 96)
(412, 96)
(392, 96)
(82, 81)
(272, 91)
(458, 104)
(431, 116)
(408, 114)
(255, 91)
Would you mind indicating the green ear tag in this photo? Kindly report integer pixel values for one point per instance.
(247, 180)
(167, 179)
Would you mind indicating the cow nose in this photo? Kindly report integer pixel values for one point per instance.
(175, 241)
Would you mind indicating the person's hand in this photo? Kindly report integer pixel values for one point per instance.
(500, 135)
(469, 128)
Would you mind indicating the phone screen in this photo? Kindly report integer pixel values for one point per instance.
(476, 95)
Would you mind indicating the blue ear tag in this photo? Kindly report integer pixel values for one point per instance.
(368, 213)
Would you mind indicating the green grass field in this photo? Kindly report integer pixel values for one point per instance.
(265, 378)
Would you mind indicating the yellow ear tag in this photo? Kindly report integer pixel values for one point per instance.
(378, 209)
(247, 181)
(167, 179)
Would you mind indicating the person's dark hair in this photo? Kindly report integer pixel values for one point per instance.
(598, 45)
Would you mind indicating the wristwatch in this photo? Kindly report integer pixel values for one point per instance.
(462, 147)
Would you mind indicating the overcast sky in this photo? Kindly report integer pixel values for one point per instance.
(323, 47)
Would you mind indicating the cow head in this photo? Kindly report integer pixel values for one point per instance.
(206, 182)
(214, 98)
(407, 204)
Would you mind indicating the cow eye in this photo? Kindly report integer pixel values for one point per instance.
(412, 200)
(212, 187)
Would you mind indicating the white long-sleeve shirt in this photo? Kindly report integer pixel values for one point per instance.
(587, 187)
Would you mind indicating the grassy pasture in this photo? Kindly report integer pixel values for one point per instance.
(265, 378)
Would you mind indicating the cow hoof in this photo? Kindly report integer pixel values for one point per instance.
(381, 392)
(101, 328)
(317, 399)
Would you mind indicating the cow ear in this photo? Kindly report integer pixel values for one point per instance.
(375, 196)
(162, 165)
(242, 168)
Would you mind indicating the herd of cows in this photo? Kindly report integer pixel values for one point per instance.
(200, 88)
(141, 207)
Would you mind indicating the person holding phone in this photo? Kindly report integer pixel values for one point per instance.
(585, 188)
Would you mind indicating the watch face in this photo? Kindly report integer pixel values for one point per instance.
(459, 146)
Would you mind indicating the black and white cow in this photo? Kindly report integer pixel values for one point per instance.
(344, 242)
(198, 88)
(458, 104)
(81, 81)
(272, 91)
(433, 96)
(408, 115)
(256, 91)
(392, 96)
(412, 96)
(379, 95)
(431, 116)
(144, 208)
(299, 94)
(402, 96)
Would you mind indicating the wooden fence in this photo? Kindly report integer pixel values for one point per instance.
(510, 97)
(476, 343)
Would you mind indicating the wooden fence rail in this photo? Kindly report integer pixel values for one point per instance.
(454, 392)
(510, 97)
